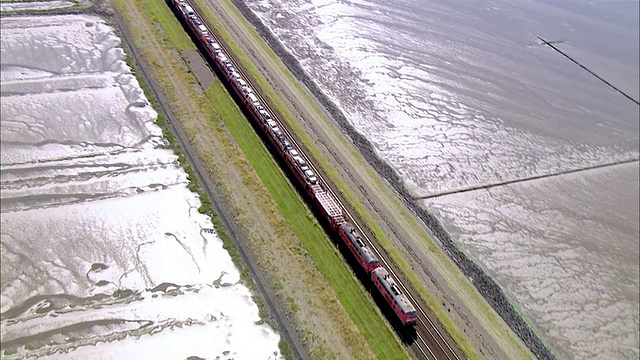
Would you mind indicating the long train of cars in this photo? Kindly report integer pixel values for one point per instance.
(299, 168)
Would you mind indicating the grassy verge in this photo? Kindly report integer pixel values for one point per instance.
(175, 36)
(490, 318)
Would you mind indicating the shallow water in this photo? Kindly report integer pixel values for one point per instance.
(565, 249)
(103, 251)
(458, 95)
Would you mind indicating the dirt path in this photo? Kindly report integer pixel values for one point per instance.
(381, 201)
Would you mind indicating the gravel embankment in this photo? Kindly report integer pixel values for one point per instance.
(487, 287)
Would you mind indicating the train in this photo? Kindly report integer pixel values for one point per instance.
(297, 165)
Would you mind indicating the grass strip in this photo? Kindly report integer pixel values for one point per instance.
(175, 34)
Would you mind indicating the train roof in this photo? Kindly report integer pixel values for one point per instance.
(330, 206)
(361, 246)
(394, 290)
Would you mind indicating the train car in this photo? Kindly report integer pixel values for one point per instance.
(330, 211)
(290, 159)
(394, 296)
(351, 236)
(296, 164)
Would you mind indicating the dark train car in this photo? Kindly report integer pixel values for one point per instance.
(351, 236)
(394, 296)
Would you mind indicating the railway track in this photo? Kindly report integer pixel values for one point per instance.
(428, 340)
